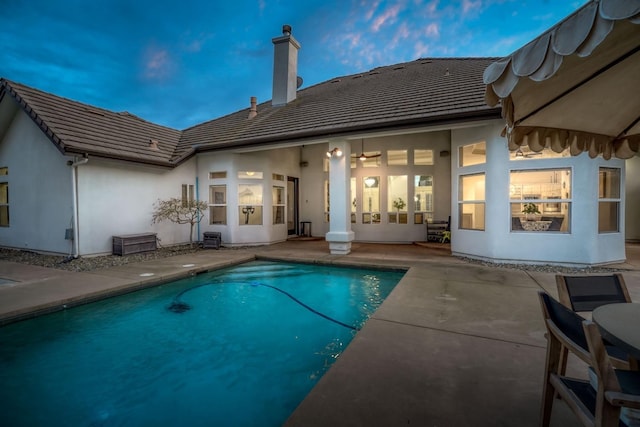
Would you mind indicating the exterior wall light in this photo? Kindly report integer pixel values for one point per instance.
(336, 151)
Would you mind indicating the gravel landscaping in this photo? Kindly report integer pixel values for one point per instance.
(91, 263)
(106, 261)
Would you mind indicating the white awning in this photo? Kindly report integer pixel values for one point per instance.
(577, 85)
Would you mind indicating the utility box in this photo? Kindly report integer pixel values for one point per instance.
(212, 240)
(134, 243)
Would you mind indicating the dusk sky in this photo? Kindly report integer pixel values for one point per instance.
(179, 64)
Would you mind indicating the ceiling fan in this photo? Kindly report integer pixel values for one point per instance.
(362, 155)
(526, 153)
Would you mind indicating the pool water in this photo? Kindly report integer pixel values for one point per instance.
(235, 347)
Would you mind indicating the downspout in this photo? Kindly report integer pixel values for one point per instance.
(197, 200)
(74, 186)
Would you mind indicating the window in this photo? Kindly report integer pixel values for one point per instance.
(608, 200)
(397, 199)
(423, 157)
(217, 175)
(249, 175)
(326, 201)
(471, 204)
(472, 154)
(423, 198)
(218, 204)
(372, 160)
(525, 153)
(277, 177)
(250, 204)
(354, 203)
(540, 200)
(397, 157)
(371, 200)
(4, 198)
(187, 194)
(278, 204)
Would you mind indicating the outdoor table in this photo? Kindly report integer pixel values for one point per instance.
(620, 325)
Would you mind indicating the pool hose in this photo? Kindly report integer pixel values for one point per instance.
(178, 306)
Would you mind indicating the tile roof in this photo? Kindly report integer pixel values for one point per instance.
(77, 128)
(427, 91)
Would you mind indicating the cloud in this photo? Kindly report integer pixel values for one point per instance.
(388, 16)
(157, 64)
(371, 10)
(402, 33)
(195, 44)
(432, 30)
(433, 6)
(470, 6)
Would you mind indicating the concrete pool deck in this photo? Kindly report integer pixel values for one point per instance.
(455, 344)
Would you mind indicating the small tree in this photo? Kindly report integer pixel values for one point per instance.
(179, 212)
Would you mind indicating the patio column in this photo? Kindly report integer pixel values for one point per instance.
(340, 234)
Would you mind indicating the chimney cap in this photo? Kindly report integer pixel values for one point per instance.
(286, 30)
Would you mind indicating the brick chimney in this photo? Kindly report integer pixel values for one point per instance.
(285, 68)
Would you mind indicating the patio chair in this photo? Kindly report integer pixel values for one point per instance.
(594, 406)
(585, 294)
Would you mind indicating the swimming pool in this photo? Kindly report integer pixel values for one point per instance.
(240, 346)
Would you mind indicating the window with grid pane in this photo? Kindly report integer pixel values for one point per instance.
(608, 200)
(471, 201)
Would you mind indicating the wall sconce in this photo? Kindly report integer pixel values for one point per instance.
(336, 151)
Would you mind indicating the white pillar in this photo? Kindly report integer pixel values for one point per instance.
(340, 235)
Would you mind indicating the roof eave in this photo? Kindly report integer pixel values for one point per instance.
(91, 153)
(296, 137)
(57, 142)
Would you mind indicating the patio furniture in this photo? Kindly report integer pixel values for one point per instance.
(619, 325)
(597, 405)
(134, 243)
(211, 240)
(436, 229)
(586, 293)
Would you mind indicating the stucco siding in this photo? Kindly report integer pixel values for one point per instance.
(632, 199)
(40, 201)
(116, 198)
(283, 162)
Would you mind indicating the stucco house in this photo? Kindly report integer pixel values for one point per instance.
(368, 157)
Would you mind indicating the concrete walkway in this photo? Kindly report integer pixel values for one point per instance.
(455, 344)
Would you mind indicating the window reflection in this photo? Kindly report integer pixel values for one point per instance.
(540, 200)
(371, 200)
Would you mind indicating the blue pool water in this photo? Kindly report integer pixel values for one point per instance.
(243, 348)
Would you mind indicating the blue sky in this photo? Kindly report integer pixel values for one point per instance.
(180, 63)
